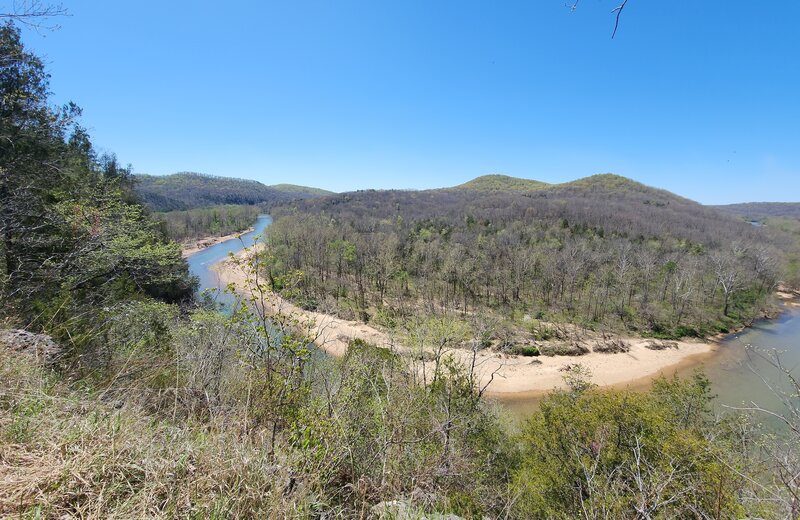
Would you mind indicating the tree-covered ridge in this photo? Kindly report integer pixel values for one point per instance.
(188, 190)
(605, 252)
(305, 190)
(759, 210)
(602, 181)
(613, 183)
(497, 182)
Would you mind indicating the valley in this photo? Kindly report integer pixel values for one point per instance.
(356, 320)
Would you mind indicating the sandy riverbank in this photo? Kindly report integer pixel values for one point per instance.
(789, 296)
(514, 376)
(191, 247)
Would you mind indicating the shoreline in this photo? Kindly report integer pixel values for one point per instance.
(190, 247)
(643, 382)
(788, 296)
(513, 378)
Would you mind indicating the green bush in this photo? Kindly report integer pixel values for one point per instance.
(614, 453)
(526, 350)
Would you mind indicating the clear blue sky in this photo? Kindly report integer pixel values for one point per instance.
(701, 98)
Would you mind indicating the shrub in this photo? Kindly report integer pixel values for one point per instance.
(526, 350)
(624, 450)
(564, 349)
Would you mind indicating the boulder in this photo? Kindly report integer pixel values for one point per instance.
(39, 347)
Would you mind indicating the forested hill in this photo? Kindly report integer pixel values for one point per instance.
(497, 182)
(604, 202)
(188, 190)
(303, 190)
(604, 182)
(605, 251)
(760, 210)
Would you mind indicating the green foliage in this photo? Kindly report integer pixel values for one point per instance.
(540, 331)
(385, 435)
(204, 222)
(385, 317)
(526, 350)
(160, 411)
(200, 426)
(501, 183)
(629, 455)
(67, 454)
(74, 243)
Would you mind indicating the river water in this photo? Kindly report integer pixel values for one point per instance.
(200, 263)
(736, 374)
(740, 376)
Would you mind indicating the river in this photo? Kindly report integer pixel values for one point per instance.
(736, 376)
(200, 263)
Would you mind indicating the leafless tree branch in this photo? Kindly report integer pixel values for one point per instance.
(573, 6)
(34, 13)
(618, 10)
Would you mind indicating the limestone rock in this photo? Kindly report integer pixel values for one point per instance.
(39, 347)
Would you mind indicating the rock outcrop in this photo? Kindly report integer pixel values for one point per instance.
(39, 347)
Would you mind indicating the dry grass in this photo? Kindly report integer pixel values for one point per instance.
(64, 454)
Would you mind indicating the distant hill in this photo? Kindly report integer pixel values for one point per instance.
(496, 182)
(612, 183)
(606, 202)
(761, 210)
(607, 182)
(188, 190)
(604, 250)
(305, 190)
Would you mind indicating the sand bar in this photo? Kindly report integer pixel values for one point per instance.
(196, 245)
(511, 376)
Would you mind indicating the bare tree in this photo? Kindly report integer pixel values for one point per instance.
(727, 273)
(617, 11)
(33, 13)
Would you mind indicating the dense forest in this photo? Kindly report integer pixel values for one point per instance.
(604, 252)
(759, 210)
(204, 222)
(122, 396)
(182, 191)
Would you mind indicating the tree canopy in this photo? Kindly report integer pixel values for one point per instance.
(74, 237)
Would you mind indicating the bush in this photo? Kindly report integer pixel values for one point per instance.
(686, 332)
(526, 350)
(624, 450)
(385, 317)
(564, 349)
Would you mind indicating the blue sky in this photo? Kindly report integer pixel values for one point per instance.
(701, 98)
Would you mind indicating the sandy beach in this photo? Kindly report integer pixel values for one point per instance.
(513, 376)
(193, 246)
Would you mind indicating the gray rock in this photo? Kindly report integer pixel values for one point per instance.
(403, 510)
(39, 347)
